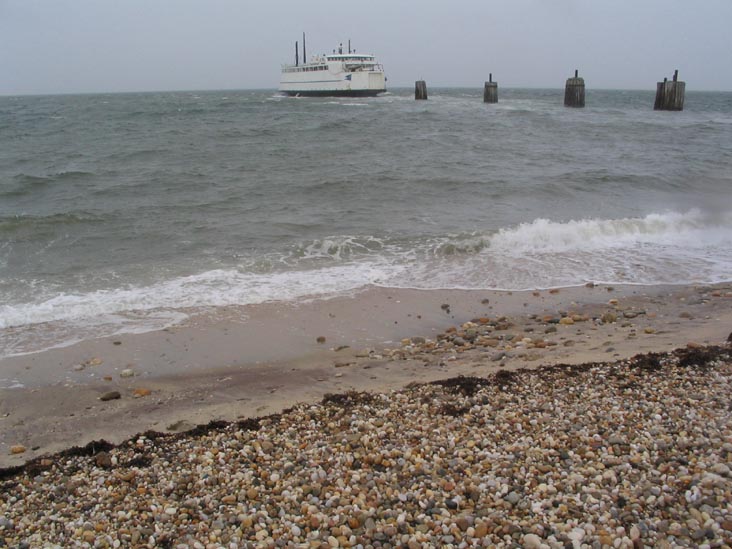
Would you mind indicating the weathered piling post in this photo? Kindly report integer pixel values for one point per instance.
(420, 89)
(490, 92)
(670, 95)
(574, 91)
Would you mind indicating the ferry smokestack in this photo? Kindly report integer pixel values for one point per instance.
(349, 46)
(304, 55)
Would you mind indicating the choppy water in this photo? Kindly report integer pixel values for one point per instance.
(119, 212)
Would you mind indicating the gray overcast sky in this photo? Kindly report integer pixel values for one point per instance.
(62, 46)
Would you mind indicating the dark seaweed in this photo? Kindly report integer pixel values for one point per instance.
(452, 410)
(699, 357)
(463, 385)
(347, 400)
(650, 362)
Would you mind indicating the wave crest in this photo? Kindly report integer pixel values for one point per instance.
(340, 248)
(691, 229)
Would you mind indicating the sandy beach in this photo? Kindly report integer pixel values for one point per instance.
(248, 363)
(459, 434)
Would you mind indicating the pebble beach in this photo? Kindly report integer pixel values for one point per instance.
(635, 452)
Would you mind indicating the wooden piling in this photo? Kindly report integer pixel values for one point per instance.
(420, 89)
(490, 92)
(670, 95)
(574, 91)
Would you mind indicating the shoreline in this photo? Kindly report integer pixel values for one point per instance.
(381, 339)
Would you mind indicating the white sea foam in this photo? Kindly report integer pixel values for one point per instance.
(209, 289)
(343, 247)
(692, 229)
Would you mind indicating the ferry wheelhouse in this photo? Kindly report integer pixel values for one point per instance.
(348, 74)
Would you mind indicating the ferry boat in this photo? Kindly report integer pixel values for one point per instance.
(348, 74)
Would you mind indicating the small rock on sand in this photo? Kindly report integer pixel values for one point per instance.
(532, 541)
(102, 459)
(112, 395)
(320, 339)
(127, 372)
(17, 449)
(609, 318)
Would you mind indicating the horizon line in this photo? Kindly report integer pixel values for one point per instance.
(262, 89)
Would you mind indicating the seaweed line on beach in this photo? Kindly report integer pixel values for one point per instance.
(697, 357)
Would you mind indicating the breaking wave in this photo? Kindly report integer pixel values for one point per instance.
(689, 229)
(660, 248)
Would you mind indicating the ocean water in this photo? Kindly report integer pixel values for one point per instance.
(128, 212)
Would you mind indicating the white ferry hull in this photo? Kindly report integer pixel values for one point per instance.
(324, 83)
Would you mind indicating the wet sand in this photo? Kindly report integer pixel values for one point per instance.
(238, 363)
